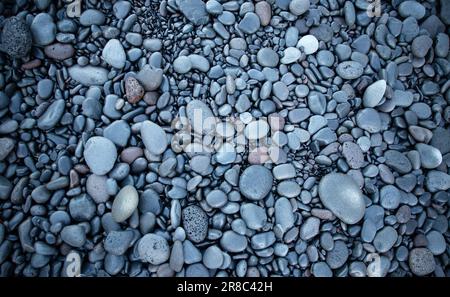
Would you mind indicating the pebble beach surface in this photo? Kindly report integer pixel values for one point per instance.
(237, 138)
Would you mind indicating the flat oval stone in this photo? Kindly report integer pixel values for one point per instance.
(291, 55)
(340, 194)
(114, 54)
(88, 75)
(309, 43)
(255, 182)
(154, 137)
(267, 57)
(125, 203)
(253, 215)
(233, 242)
(385, 239)
(390, 197)
(349, 70)
(369, 119)
(430, 157)
(100, 154)
(195, 222)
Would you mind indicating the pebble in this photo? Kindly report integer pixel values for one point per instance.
(100, 154)
(6, 147)
(299, 7)
(153, 248)
(436, 243)
(43, 29)
(411, 8)
(255, 182)
(133, 90)
(254, 216)
(250, 23)
(340, 194)
(150, 78)
(374, 93)
(200, 117)
(92, 17)
(397, 161)
(430, 157)
(353, 155)
(369, 119)
(349, 70)
(52, 115)
(114, 54)
(390, 197)
(88, 75)
(385, 239)
(421, 45)
(154, 137)
(16, 38)
(291, 55)
(309, 44)
(233, 242)
(125, 203)
(267, 57)
(73, 235)
(264, 12)
(421, 261)
(310, 228)
(337, 257)
(194, 11)
(212, 257)
(195, 222)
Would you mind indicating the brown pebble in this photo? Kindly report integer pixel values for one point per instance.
(31, 64)
(276, 122)
(130, 154)
(264, 11)
(133, 89)
(81, 168)
(74, 179)
(59, 51)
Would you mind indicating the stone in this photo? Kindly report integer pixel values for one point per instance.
(421, 261)
(421, 45)
(133, 90)
(374, 93)
(118, 242)
(411, 8)
(430, 157)
(182, 65)
(436, 242)
(96, 188)
(253, 215)
(88, 75)
(369, 119)
(200, 117)
(6, 147)
(250, 23)
(397, 161)
(255, 182)
(308, 43)
(154, 137)
(82, 208)
(195, 222)
(114, 54)
(310, 228)
(213, 257)
(341, 195)
(194, 11)
(73, 235)
(16, 38)
(264, 12)
(390, 197)
(91, 17)
(125, 203)
(299, 7)
(284, 214)
(150, 78)
(385, 239)
(267, 57)
(233, 242)
(337, 257)
(256, 130)
(52, 115)
(216, 198)
(353, 154)
(199, 63)
(291, 55)
(43, 29)
(118, 132)
(100, 154)
(153, 248)
(349, 70)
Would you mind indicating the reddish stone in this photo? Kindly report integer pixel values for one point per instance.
(31, 64)
(133, 90)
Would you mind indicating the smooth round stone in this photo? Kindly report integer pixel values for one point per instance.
(213, 257)
(369, 119)
(214, 7)
(255, 182)
(421, 261)
(6, 147)
(199, 62)
(121, 9)
(43, 29)
(421, 45)
(195, 223)
(337, 257)
(200, 117)
(253, 215)
(73, 235)
(216, 198)
(299, 7)
(114, 54)
(411, 8)
(310, 228)
(325, 58)
(100, 154)
(250, 23)
(16, 38)
(154, 137)
(341, 195)
(256, 130)
(45, 88)
(390, 197)
(92, 17)
(385, 239)
(374, 93)
(233, 242)
(96, 188)
(291, 55)
(182, 65)
(309, 43)
(52, 115)
(430, 157)
(436, 243)
(267, 57)
(124, 204)
(153, 248)
(349, 70)
(321, 269)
